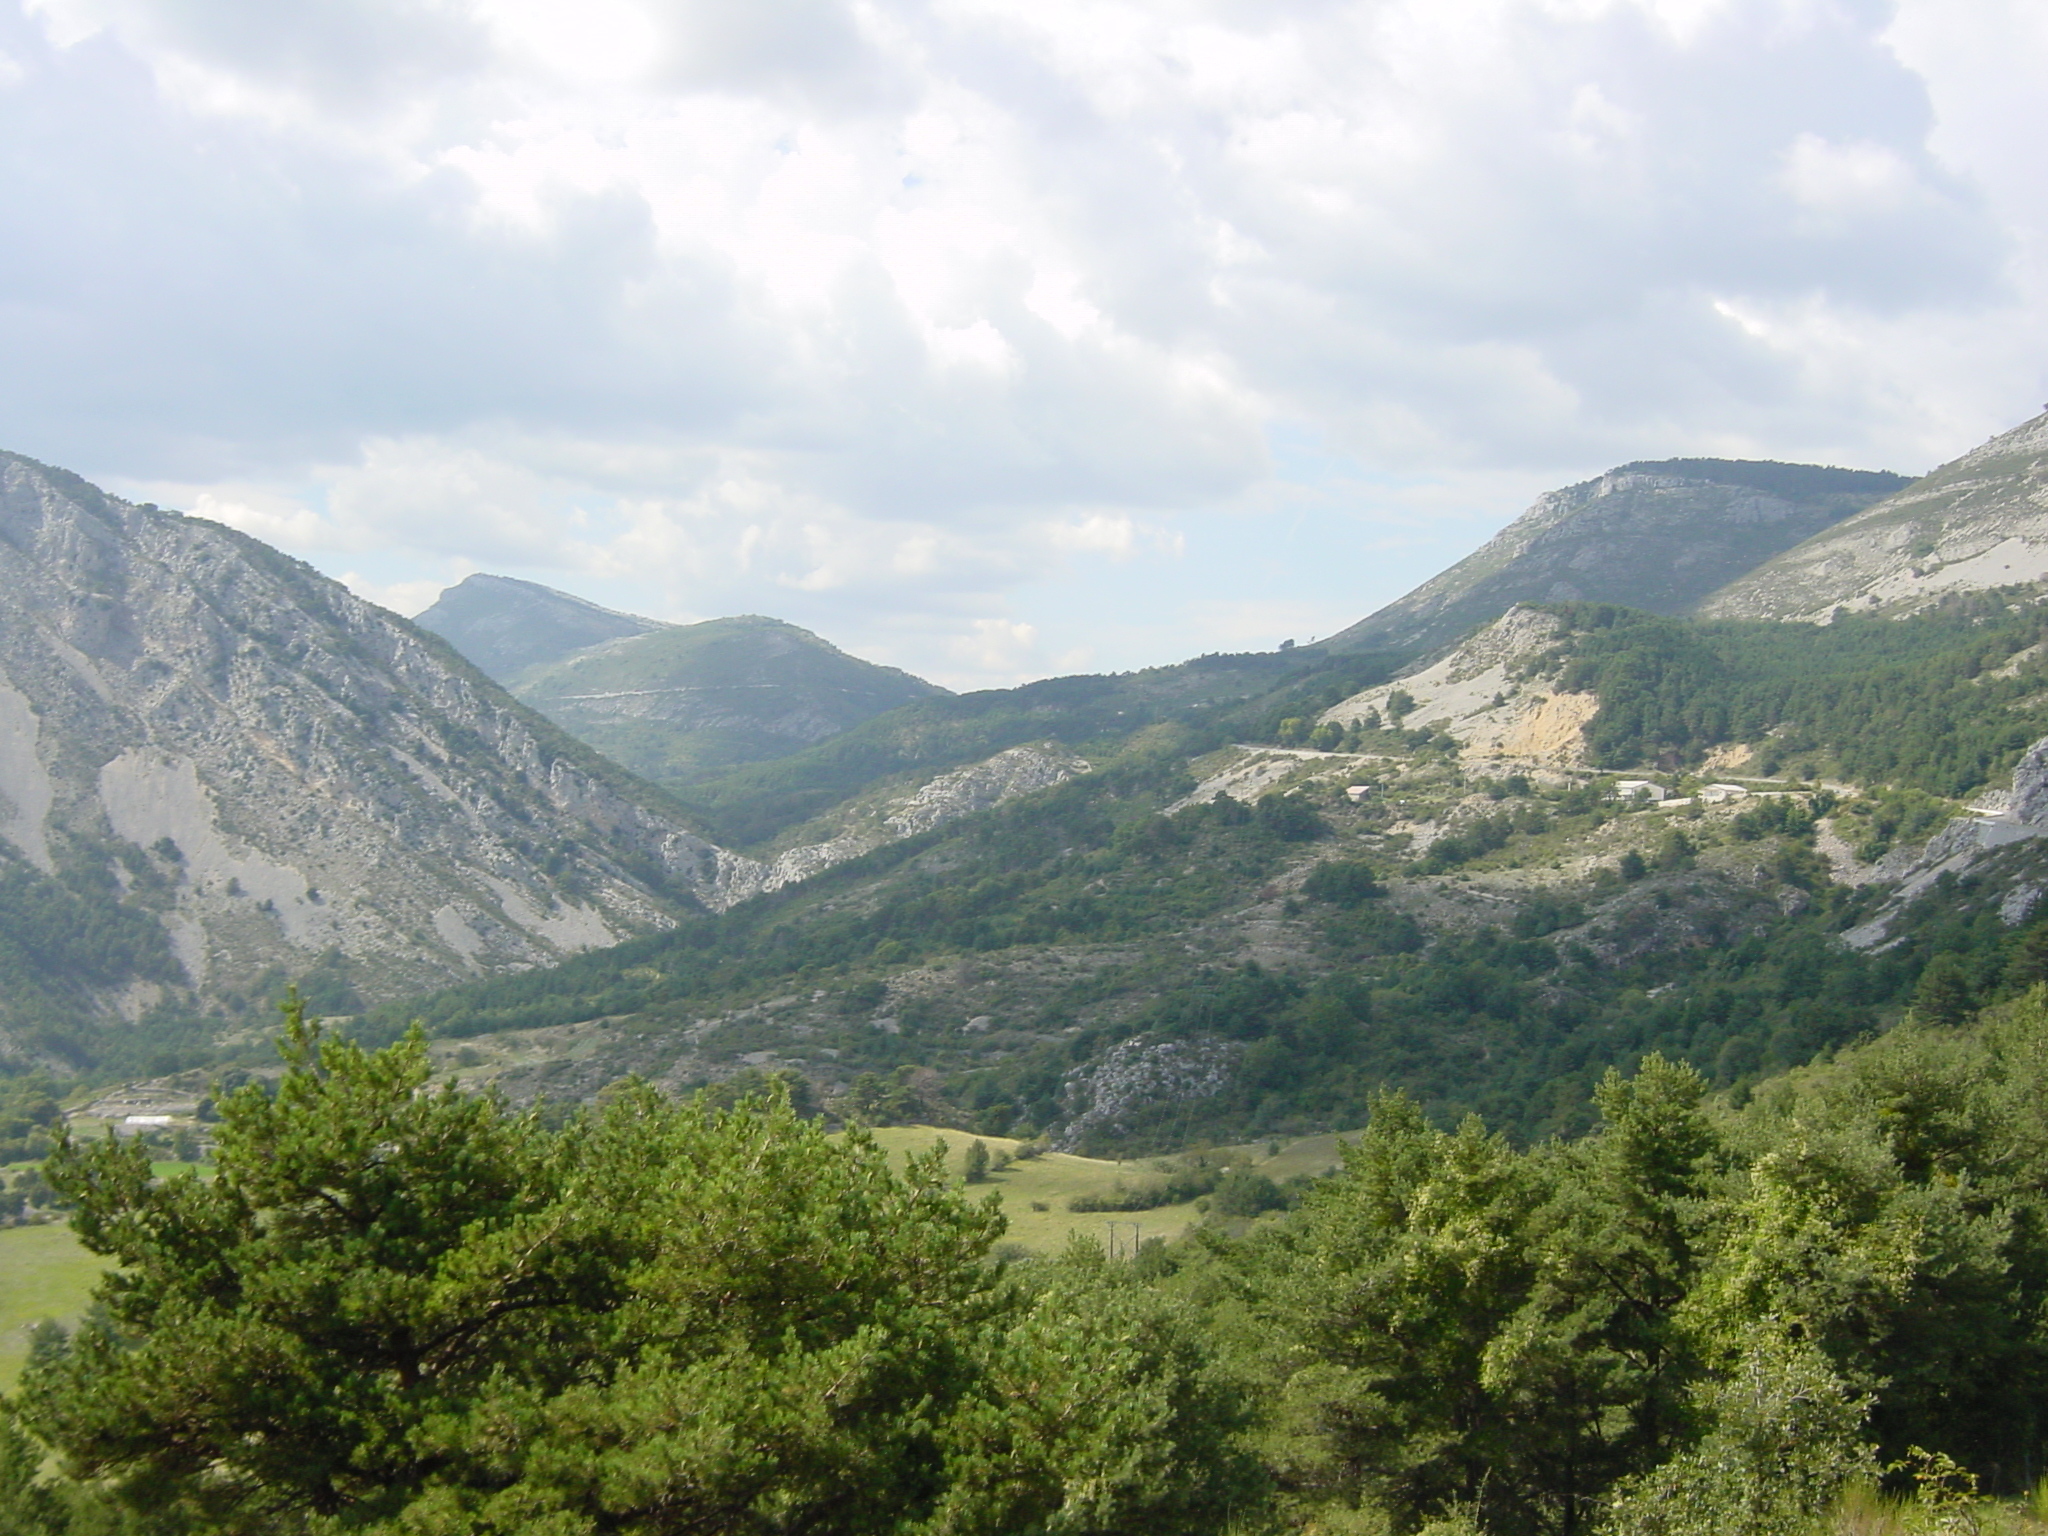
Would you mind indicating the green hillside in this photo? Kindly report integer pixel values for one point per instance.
(1205, 702)
(1943, 702)
(686, 702)
(1309, 946)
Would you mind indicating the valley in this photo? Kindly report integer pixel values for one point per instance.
(1224, 898)
(1534, 1062)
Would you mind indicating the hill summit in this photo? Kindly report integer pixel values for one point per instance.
(1658, 535)
(506, 625)
(680, 703)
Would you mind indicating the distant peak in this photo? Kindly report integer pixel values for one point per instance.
(506, 625)
(483, 583)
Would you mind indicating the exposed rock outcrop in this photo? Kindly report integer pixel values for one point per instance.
(1965, 843)
(1136, 1076)
(275, 768)
(1976, 523)
(1493, 694)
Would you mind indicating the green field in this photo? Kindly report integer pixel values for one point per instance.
(44, 1273)
(1052, 1179)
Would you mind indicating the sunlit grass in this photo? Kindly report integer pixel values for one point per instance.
(44, 1273)
(1054, 1178)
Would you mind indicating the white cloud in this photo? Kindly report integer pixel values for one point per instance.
(912, 318)
(410, 598)
(1846, 178)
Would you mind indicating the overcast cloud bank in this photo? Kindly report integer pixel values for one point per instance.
(993, 339)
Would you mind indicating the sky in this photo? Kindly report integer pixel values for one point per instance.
(996, 339)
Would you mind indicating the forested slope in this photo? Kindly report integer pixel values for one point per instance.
(393, 1310)
(1140, 956)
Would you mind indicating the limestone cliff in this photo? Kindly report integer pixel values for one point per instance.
(1494, 693)
(1976, 523)
(274, 769)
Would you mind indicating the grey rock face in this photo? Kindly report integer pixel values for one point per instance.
(1973, 524)
(1658, 536)
(1965, 843)
(293, 769)
(1137, 1075)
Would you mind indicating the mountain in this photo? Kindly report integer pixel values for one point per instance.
(1655, 535)
(1276, 887)
(505, 625)
(680, 703)
(220, 767)
(1978, 523)
(1229, 898)
(221, 771)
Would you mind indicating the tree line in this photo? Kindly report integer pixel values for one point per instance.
(399, 1309)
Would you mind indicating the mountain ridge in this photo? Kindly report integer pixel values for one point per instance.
(207, 732)
(1658, 535)
(680, 703)
(504, 625)
(1978, 522)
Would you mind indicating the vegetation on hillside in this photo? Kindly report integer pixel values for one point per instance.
(396, 1310)
(1674, 948)
(1208, 701)
(1919, 703)
(1692, 1319)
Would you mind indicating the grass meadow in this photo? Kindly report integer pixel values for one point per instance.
(44, 1273)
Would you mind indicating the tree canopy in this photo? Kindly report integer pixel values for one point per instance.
(399, 1309)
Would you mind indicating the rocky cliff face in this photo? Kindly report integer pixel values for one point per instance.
(1495, 693)
(1998, 842)
(1658, 536)
(1976, 523)
(272, 769)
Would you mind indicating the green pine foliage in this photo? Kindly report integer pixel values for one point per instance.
(395, 1310)
(1692, 1319)
(1912, 703)
(400, 1310)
